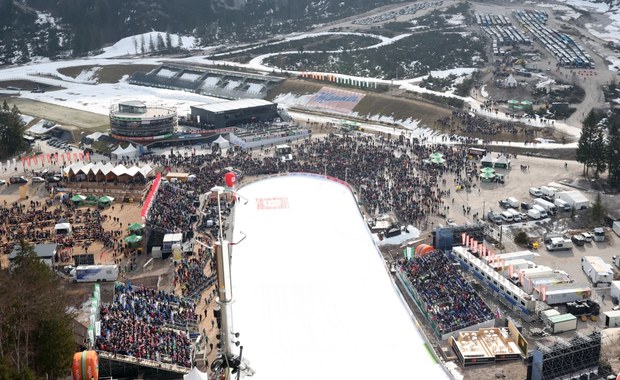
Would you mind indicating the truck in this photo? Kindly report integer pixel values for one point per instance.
(510, 202)
(562, 204)
(95, 273)
(548, 191)
(561, 293)
(597, 270)
(541, 210)
(584, 309)
(548, 206)
(599, 234)
(616, 260)
(533, 214)
(616, 227)
(559, 244)
(535, 192)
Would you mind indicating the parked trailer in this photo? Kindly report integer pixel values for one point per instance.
(561, 323)
(597, 270)
(616, 227)
(561, 293)
(615, 290)
(548, 206)
(95, 273)
(536, 281)
(612, 318)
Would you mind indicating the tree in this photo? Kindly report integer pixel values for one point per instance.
(599, 151)
(151, 44)
(32, 302)
(12, 129)
(613, 151)
(161, 45)
(521, 238)
(179, 42)
(142, 44)
(169, 42)
(585, 145)
(598, 211)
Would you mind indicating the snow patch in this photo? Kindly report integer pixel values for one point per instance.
(132, 45)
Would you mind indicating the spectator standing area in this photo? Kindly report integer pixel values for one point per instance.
(322, 294)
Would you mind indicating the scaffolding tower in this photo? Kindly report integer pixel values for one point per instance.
(566, 359)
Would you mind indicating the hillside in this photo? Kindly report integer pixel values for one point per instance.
(72, 27)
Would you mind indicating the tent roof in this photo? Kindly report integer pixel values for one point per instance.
(487, 158)
(195, 374)
(501, 160)
(106, 168)
(62, 226)
(220, 139)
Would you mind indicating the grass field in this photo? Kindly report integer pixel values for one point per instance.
(87, 121)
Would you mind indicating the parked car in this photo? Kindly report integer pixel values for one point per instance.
(54, 179)
(38, 179)
(578, 240)
(587, 236)
(494, 217)
(18, 179)
(2, 182)
(525, 206)
(451, 222)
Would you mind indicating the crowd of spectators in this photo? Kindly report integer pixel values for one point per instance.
(140, 323)
(34, 222)
(172, 209)
(462, 122)
(190, 274)
(450, 301)
(391, 173)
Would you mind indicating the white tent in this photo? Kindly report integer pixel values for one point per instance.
(195, 374)
(62, 228)
(510, 82)
(502, 162)
(120, 152)
(487, 161)
(222, 142)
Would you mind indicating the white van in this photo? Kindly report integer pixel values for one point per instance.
(516, 215)
(506, 216)
(548, 206)
(535, 192)
(541, 210)
(533, 214)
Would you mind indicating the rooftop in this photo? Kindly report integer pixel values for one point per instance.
(233, 105)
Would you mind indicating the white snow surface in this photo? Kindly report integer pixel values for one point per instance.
(132, 45)
(313, 297)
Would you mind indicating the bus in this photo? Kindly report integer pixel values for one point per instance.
(476, 152)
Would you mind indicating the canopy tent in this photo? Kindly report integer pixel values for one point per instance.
(136, 227)
(195, 374)
(222, 142)
(129, 151)
(133, 239)
(106, 199)
(435, 155)
(487, 161)
(487, 170)
(487, 177)
(78, 198)
(62, 228)
(502, 162)
(438, 160)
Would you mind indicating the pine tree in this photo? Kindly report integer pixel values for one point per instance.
(586, 142)
(169, 46)
(613, 151)
(599, 151)
(151, 44)
(12, 130)
(135, 44)
(142, 44)
(35, 331)
(161, 45)
(598, 211)
(179, 42)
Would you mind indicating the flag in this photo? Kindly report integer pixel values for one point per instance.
(463, 238)
(81, 155)
(88, 156)
(49, 159)
(498, 313)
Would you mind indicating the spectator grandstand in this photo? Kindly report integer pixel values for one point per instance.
(145, 324)
(206, 81)
(446, 299)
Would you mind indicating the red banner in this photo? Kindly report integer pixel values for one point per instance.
(151, 196)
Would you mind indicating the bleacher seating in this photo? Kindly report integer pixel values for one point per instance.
(450, 301)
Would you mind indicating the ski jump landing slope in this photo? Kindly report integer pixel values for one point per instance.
(313, 299)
